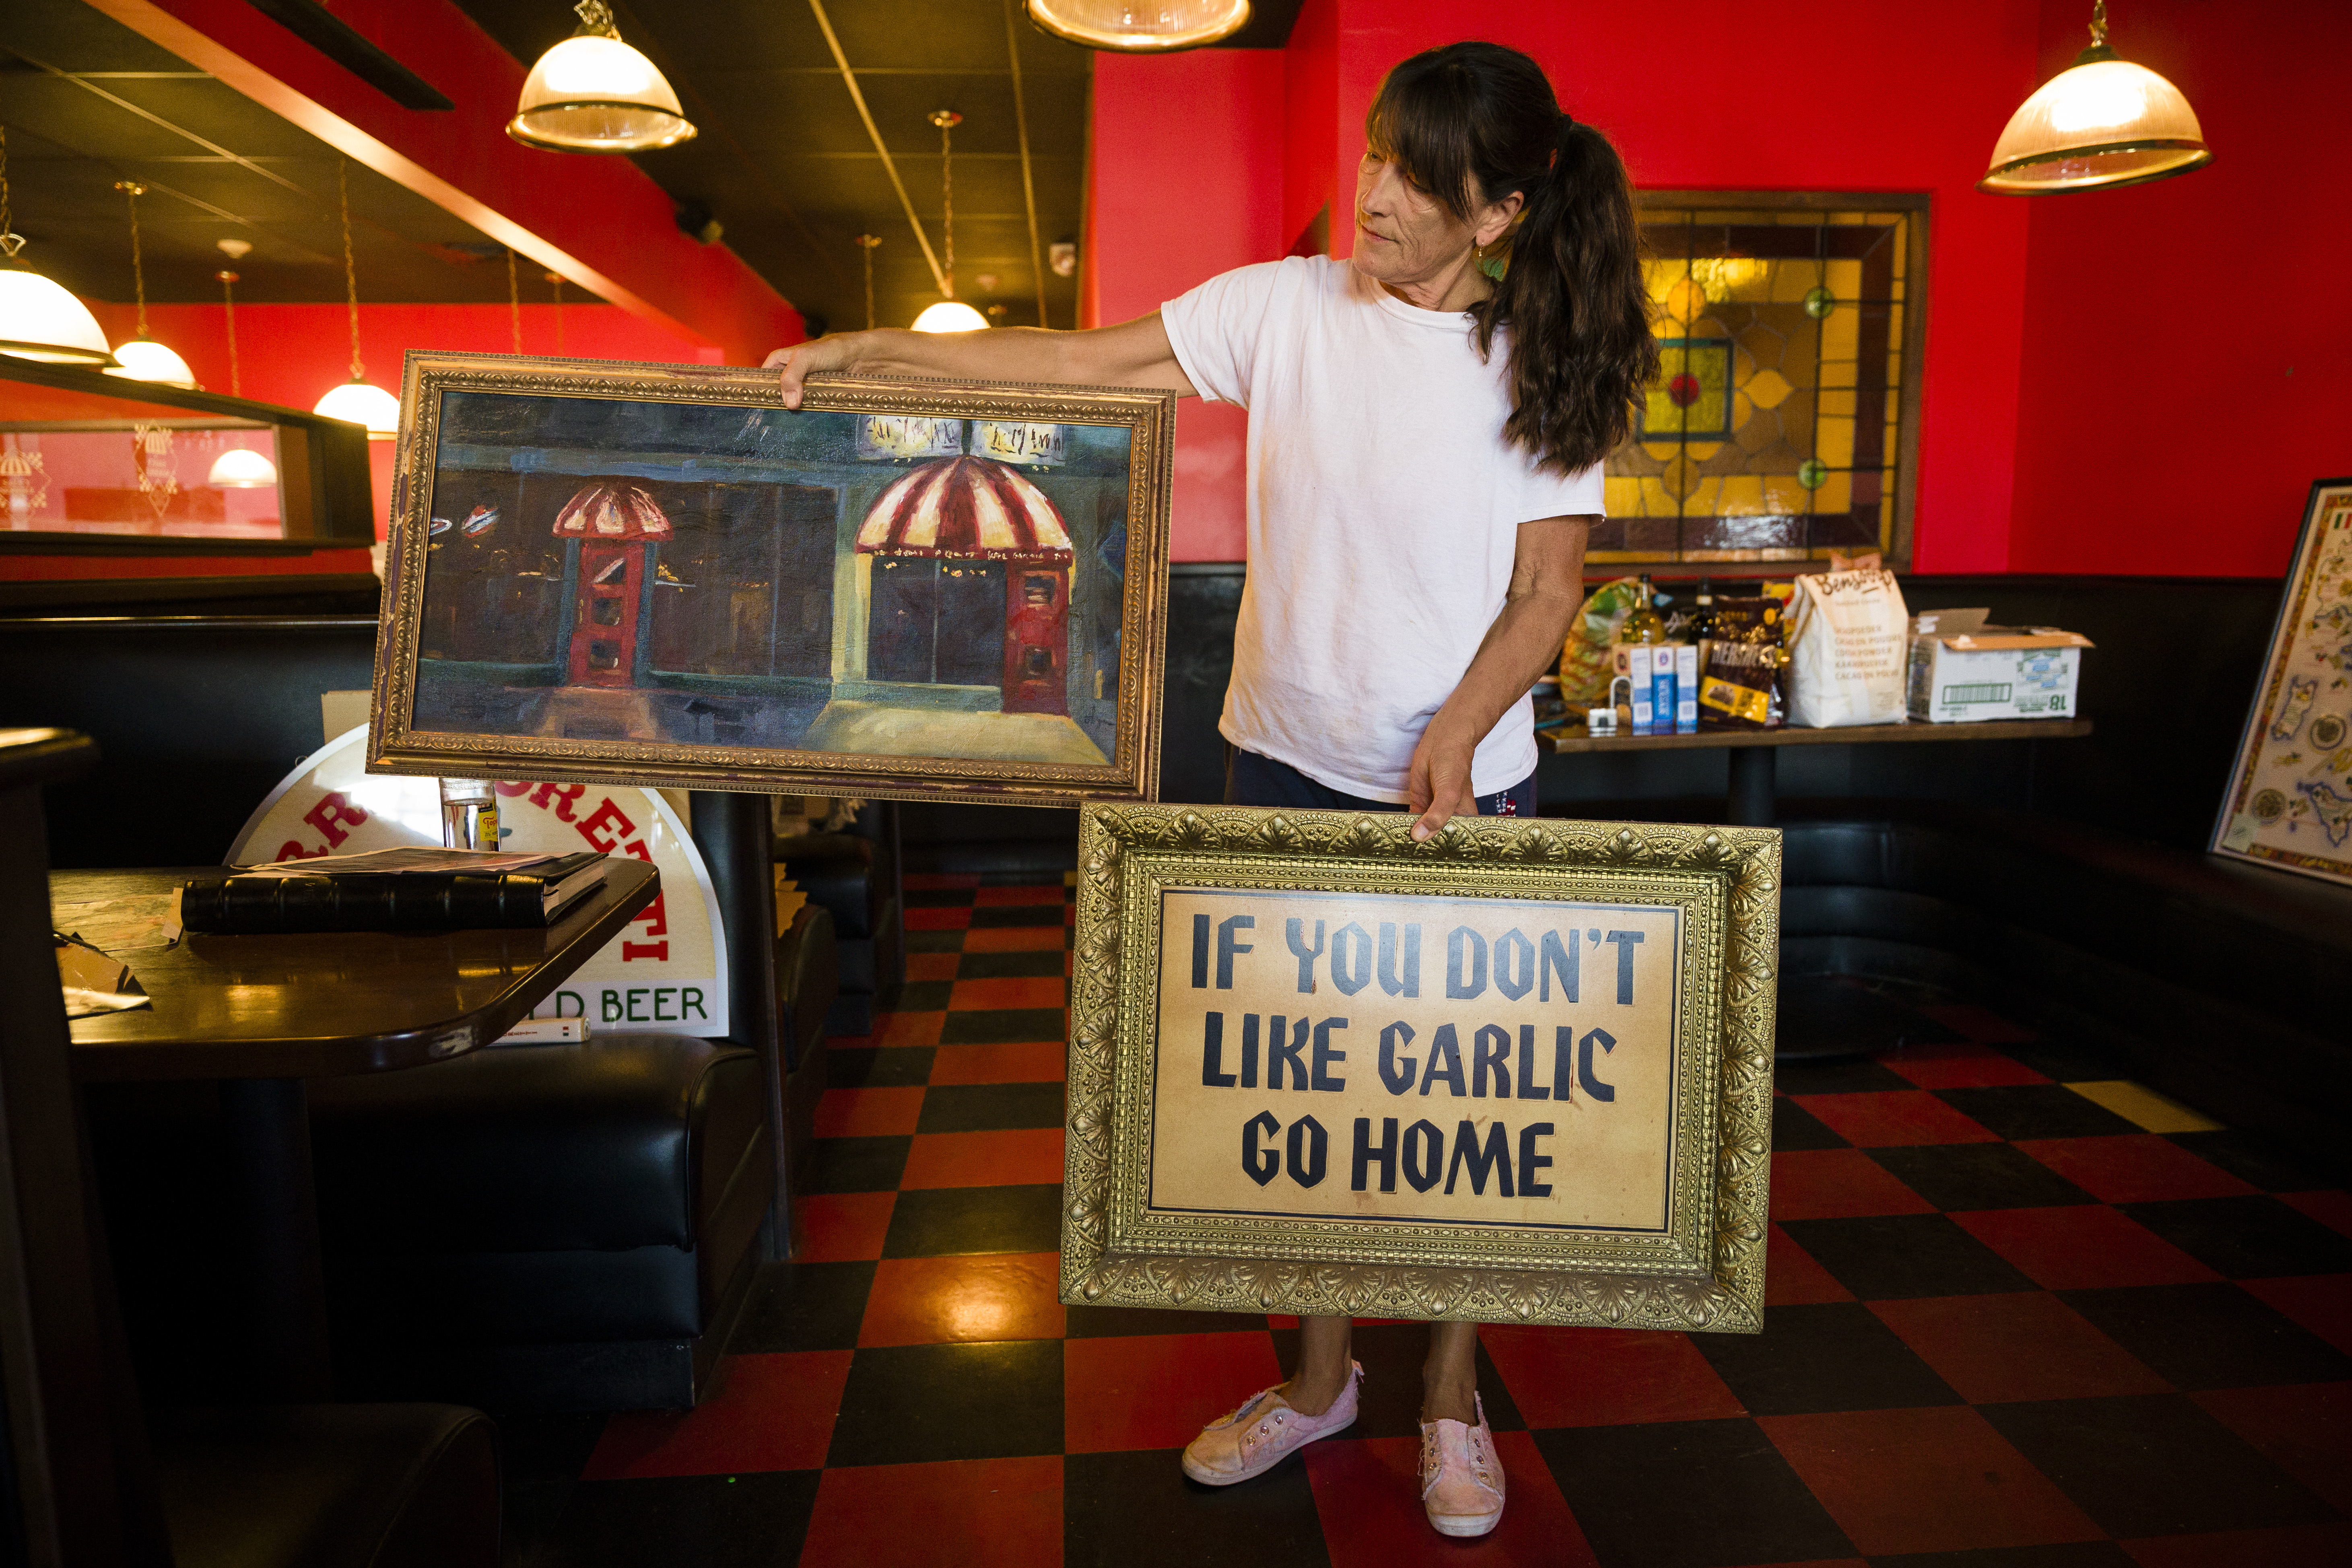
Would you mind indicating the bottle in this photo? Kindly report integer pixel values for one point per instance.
(1703, 610)
(469, 814)
(1644, 626)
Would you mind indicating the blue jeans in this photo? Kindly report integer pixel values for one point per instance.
(1253, 780)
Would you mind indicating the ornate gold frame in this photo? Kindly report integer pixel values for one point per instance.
(1707, 1273)
(1133, 773)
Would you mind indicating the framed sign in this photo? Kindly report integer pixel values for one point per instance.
(657, 575)
(1521, 1071)
(2290, 800)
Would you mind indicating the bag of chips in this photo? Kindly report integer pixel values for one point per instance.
(1740, 685)
(1584, 668)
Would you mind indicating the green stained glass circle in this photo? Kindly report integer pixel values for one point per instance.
(1812, 473)
(1819, 302)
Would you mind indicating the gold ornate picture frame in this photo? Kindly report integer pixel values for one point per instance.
(659, 574)
(1518, 1072)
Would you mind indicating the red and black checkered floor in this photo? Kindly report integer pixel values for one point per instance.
(2021, 1313)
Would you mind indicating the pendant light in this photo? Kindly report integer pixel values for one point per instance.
(1131, 28)
(2101, 122)
(951, 314)
(593, 93)
(866, 242)
(142, 358)
(239, 468)
(355, 400)
(38, 319)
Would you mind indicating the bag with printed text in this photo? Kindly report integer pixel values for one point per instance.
(1849, 642)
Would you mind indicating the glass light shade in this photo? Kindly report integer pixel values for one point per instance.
(596, 94)
(241, 468)
(1140, 26)
(42, 320)
(2100, 122)
(144, 359)
(361, 403)
(950, 316)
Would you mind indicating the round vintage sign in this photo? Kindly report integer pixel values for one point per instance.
(665, 971)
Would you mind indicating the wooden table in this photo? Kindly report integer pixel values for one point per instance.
(261, 1014)
(1754, 752)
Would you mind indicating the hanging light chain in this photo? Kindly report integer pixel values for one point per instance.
(11, 242)
(228, 303)
(351, 266)
(866, 242)
(947, 120)
(133, 190)
(2098, 24)
(514, 303)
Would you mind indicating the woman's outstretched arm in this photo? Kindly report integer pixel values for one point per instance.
(1133, 354)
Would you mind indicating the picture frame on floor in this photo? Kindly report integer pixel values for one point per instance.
(657, 575)
(2289, 805)
(1518, 1072)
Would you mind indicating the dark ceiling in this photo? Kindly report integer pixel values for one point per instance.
(784, 161)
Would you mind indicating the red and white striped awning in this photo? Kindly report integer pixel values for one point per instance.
(968, 507)
(614, 511)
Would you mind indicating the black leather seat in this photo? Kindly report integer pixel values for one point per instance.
(564, 1226)
(2222, 984)
(329, 1486)
(854, 875)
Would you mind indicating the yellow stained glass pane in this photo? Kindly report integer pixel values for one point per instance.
(1834, 442)
(1894, 405)
(1741, 494)
(1728, 277)
(1691, 397)
(1783, 496)
(1702, 501)
(1655, 499)
(1835, 495)
(1834, 402)
(1848, 218)
(1893, 331)
(1801, 219)
(1620, 497)
(1835, 373)
(1838, 333)
(1844, 276)
(1782, 555)
(1792, 280)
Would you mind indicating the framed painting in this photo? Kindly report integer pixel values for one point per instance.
(1518, 1072)
(2290, 800)
(657, 575)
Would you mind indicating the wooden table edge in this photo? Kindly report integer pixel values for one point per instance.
(614, 906)
(1563, 743)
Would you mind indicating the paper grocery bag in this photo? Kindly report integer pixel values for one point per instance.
(1849, 642)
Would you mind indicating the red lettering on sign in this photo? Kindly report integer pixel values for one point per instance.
(654, 918)
(630, 950)
(293, 850)
(638, 849)
(558, 796)
(332, 814)
(607, 816)
(513, 787)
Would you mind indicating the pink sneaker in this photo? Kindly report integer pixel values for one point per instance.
(1261, 1432)
(1461, 1478)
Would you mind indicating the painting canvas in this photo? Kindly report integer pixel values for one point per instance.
(660, 573)
(2290, 800)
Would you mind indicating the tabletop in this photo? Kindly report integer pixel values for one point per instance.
(319, 1004)
(1575, 740)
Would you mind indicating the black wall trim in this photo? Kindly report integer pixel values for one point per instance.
(351, 49)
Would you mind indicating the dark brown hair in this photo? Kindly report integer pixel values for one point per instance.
(1470, 123)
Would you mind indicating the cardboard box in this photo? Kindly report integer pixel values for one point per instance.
(1964, 671)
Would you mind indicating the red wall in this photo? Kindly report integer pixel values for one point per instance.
(1184, 188)
(2078, 347)
(2185, 342)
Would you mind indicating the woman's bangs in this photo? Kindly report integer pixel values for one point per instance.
(1424, 131)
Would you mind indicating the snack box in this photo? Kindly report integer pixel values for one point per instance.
(1964, 671)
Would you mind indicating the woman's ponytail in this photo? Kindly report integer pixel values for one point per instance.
(1572, 296)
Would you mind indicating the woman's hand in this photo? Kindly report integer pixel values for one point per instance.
(1437, 786)
(836, 350)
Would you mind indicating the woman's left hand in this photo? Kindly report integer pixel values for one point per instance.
(1437, 787)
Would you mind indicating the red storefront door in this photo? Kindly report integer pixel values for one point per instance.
(1037, 638)
(605, 615)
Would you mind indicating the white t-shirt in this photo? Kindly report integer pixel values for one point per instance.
(1384, 506)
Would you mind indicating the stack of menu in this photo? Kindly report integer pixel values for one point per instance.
(395, 890)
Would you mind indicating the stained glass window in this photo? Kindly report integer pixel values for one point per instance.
(1781, 423)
